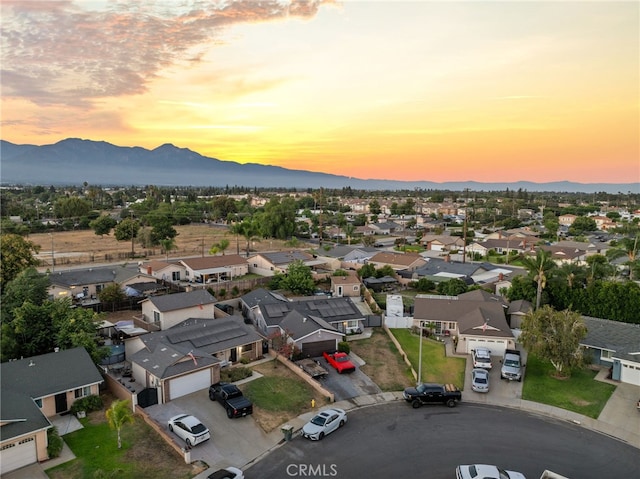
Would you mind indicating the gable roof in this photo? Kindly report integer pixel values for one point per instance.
(621, 338)
(397, 259)
(482, 295)
(330, 310)
(299, 325)
(19, 414)
(165, 361)
(262, 296)
(172, 302)
(213, 262)
(350, 278)
(284, 258)
(52, 373)
(519, 306)
(338, 251)
(80, 277)
(440, 267)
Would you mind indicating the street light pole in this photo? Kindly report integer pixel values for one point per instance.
(420, 357)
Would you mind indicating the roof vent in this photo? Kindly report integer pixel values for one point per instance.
(55, 350)
(31, 363)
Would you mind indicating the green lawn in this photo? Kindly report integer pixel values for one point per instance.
(143, 455)
(580, 393)
(281, 394)
(436, 366)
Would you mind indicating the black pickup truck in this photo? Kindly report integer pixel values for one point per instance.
(230, 396)
(428, 393)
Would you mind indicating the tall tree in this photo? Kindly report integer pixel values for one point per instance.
(539, 267)
(16, 255)
(29, 286)
(219, 247)
(102, 225)
(626, 247)
(298, 279)
(118, 415)
(555, 336)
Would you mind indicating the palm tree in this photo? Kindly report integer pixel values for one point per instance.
(538, 268)
(118, 415)
(628, 247)
(167, 245)
(219, 247)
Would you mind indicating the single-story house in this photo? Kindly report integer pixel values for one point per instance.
(168, 310)
(169, 271)
(616, 345)
(309, 334)
(215, 269)
(33, 390)
(442, 242)
(349, 285)
(83, 284)
(398, 261)
(187, 357)
(268, 264)
(516, 312)
(473, 322)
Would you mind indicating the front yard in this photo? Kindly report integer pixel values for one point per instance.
(580, 393)
(143, 455)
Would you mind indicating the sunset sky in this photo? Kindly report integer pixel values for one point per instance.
(435, 91)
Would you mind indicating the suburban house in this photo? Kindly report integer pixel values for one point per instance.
(359, 256)
(615, 345)
(164, 312)
(474, 323)
(442, 242)
(516, 312)
(311, 335)
(384, 228)
(171, 271)
(397, 261)
(566, 220)
(35, 390)
(85, 284)
(349, 285)
(268, 264)
(506, 246)
(267, 310)
(187, 357)
(214, 269)
(333, 258)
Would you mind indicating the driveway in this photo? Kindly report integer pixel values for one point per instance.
(233, 441)
(347, 386)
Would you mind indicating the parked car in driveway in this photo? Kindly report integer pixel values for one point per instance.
(189, 429)
(480, 380)
(231, 398)
(227, 473)
(485, 471)
(339, 361)
(323, 423)
(481, 358)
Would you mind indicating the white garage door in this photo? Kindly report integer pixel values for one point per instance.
(18, 454)
(630, 373)
(496, 346)
(190, 383)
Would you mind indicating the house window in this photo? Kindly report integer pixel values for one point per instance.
(451, 326)
(186, 273)
(356, 287)
(248, 347)
(156, 316)
(39, 402)
(175, 275)
(99, 287)
(350, 326)
(606, 355)
(82, 392)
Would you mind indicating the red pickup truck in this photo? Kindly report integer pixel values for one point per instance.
(340, 361)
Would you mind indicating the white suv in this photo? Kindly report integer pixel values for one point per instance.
(481, 358)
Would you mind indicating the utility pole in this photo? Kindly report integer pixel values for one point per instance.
(132, 230)
(53, 258)
(464, 229)
(420, 357)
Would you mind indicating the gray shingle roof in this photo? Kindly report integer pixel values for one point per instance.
(18, 407)
(262, 296)
(330, 310)
(50, 373)
(172, 302)
(300, 325)
(621, 338)
(80, 277)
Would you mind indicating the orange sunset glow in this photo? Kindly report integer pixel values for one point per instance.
(435, 91)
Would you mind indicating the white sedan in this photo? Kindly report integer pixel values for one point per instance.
(480, 380)
(190, 429)
(323, 423)
(485, 471)
(227, 473)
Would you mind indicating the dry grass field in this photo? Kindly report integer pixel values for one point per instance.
(85, 247)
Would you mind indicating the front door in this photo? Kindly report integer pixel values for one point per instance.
(234, 355)
(61, 403)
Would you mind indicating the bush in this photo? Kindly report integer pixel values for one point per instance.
(87, 404)
(245, 360)
(231, 375)
(54, 448)
(343, 347)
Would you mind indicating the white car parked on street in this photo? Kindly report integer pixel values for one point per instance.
(485, 471)
(323, 423)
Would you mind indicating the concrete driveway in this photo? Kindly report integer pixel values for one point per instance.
(347, 386)
(498, 388)
(234, 442)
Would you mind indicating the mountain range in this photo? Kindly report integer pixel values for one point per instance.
(73, 161)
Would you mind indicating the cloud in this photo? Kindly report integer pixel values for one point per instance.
(56, 53)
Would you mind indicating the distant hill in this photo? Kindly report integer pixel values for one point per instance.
(74, 161)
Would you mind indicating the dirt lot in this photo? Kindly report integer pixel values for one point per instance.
(79, 247)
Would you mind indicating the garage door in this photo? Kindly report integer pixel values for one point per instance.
(189, 384)
(496, 346)
(18, 454)
(630, 373)
(316, 348)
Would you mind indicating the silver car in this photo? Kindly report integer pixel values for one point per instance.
(480, 380)
(323, 423)
(485, 471)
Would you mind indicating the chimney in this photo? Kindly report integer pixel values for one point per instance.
(501, 276)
